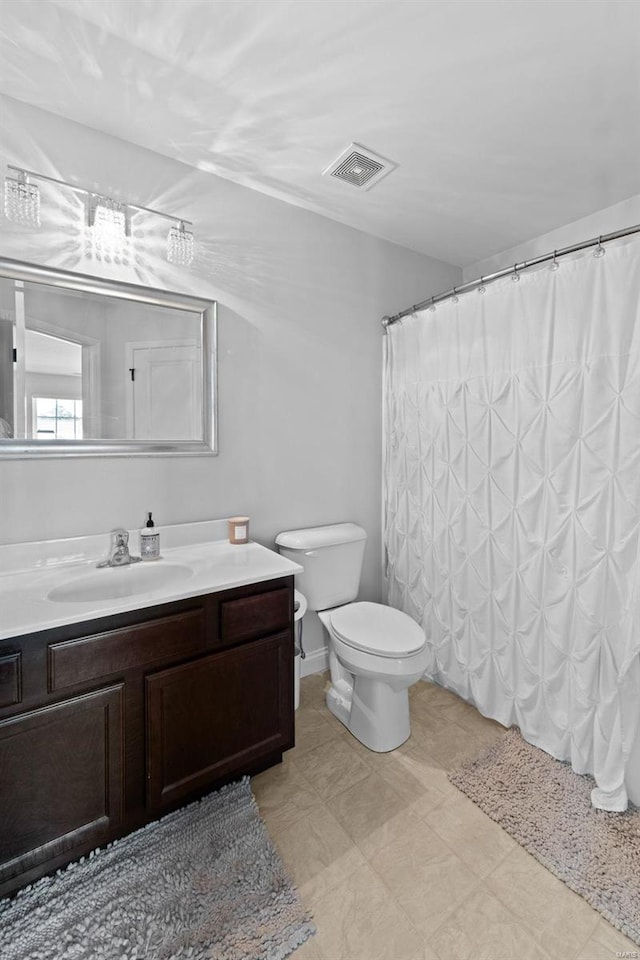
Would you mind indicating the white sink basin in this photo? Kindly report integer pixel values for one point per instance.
(118, 583)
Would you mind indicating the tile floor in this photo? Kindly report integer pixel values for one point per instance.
(396, 864)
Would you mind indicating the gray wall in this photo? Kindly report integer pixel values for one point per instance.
(300, 297)
(620, 215)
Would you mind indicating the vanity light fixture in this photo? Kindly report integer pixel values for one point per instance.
(108, 220)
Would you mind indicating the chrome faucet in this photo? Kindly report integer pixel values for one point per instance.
(119, 555)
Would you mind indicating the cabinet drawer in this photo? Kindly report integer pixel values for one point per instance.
(257, 616)
(10, 679)
(88, 658)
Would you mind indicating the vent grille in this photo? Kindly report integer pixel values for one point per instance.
(359, 167)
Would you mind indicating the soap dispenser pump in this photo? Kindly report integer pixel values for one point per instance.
(149, 540)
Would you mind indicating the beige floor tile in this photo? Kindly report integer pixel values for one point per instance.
(310, 950)
(427, 848)
(454, 745)
(607, 943)
(359, 920)
(424, 875)
(340, 730)
(413, 777)
(318, 853)
(429, 952)
(332, 767)
(426, 719)
(372, 813)
(428, 768)
(483, 929)
(432, 693)
(284, 796)
(474, 722)
(312, 691)
(471, 834)
(445, 708)
(312, 697)
(312, 730)
(562, 919)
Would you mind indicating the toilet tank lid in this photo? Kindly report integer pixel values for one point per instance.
(313, 537)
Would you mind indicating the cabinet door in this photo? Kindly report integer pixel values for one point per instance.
(60, 779)
(213, 716)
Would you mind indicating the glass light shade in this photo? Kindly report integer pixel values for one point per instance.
(109, 222)
(107, 233)
(180, 245)
(22, 201)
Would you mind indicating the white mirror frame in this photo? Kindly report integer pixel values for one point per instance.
(27, 449)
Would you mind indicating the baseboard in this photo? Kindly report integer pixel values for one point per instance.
(315, 662)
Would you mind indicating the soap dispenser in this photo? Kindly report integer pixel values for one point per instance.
(149, 540)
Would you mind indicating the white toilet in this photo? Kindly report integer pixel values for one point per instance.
(375, 652)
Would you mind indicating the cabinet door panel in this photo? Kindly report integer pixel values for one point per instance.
(60, 778)
(218, 714)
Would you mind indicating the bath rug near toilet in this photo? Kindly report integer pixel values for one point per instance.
(203, 882)
(546, 807)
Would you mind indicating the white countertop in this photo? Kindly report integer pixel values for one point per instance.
(29, 572)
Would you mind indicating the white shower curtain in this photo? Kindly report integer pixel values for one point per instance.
(512, 503)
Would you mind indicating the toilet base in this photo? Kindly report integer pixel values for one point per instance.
(372, 712)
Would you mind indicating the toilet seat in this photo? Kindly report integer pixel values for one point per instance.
(377, 629)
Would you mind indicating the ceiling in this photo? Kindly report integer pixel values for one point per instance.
(507, 118)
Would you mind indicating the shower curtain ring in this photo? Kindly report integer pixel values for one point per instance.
(482, 288)
(599, 250)
(515, 276)
(432, 307)
(455, 298)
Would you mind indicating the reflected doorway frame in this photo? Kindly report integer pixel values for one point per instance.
(90, 364)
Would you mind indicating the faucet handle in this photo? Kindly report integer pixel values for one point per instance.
(120, 537)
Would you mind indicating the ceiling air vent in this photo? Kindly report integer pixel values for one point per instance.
(359, 167)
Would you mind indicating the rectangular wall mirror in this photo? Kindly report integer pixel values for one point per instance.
(92, 367)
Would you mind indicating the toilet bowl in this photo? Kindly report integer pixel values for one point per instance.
(375, 654)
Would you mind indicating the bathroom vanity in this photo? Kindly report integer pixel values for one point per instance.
(108, 722)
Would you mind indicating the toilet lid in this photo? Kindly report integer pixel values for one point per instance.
(376, 628)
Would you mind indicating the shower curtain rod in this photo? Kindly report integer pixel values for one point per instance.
(473, 284)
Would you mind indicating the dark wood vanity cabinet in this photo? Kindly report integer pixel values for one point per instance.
(108, 724)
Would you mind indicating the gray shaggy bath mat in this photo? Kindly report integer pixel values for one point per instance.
(546, 807)
(203, 882)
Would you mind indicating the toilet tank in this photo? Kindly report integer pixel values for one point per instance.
(332, 560)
